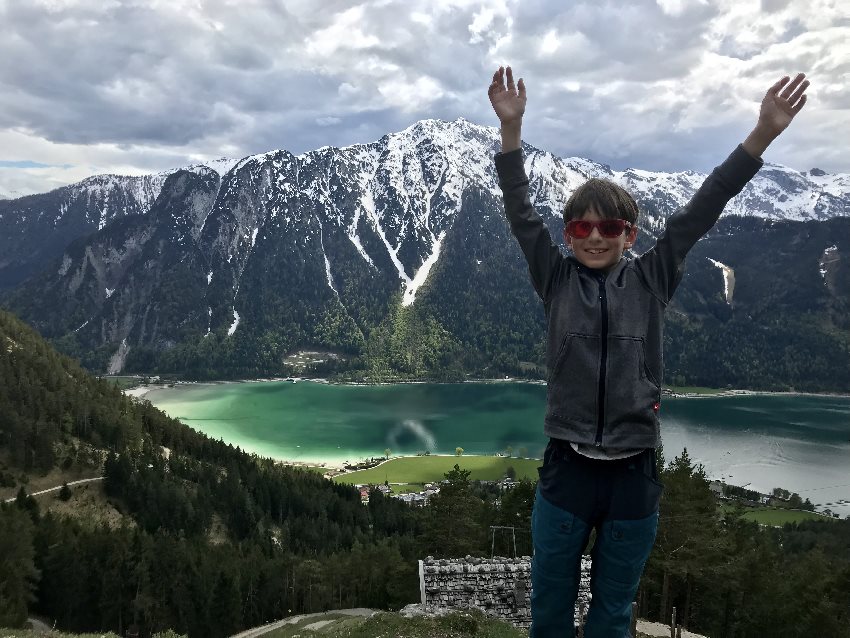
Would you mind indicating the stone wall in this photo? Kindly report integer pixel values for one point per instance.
(500, 587)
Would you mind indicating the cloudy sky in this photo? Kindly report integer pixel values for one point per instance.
(122, 86)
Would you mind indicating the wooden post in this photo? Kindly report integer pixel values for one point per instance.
(581, 612)
(633, 624)
(673, 624)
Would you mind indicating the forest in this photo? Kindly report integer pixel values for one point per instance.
(213, 540)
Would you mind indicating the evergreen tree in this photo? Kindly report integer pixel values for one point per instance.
(65, 493)
(18, 574)
(453, 528)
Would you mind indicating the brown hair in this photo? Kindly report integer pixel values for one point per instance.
(608, 199)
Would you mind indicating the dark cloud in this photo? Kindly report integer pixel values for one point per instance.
(651, 84)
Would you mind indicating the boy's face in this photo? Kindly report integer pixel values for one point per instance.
(596, 251)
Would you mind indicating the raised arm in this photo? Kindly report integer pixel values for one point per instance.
(508, 100)
(543, 256)
(663, 265)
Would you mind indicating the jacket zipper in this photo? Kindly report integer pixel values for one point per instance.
(603, 364)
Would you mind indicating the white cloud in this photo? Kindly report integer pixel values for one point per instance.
(328, 121)
(666, 84)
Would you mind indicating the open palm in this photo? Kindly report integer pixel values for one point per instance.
(508, 99)
(779, 105)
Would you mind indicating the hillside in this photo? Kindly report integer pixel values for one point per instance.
(289, 542)
(285, 537)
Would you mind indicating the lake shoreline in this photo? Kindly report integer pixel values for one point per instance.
(140, 390)
(766, 440)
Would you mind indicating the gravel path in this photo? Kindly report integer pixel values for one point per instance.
(59, 487)
(662, 631)
(292, 620)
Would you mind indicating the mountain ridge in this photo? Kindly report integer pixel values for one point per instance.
(284, 251)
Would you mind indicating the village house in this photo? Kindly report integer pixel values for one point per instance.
(414, 499)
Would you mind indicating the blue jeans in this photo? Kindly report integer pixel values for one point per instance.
(604, 497)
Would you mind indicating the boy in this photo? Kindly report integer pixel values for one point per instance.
(604, 318)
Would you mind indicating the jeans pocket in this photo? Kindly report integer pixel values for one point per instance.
(623, 548)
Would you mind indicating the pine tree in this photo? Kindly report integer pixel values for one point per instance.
(452, 529)
(18, 574)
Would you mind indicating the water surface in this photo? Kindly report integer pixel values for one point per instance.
(798, 442)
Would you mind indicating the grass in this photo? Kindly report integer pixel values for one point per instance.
(124, 382)
(472, 624)
(427, 469)
(776, 516)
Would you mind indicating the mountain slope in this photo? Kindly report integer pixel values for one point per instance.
(224, 275)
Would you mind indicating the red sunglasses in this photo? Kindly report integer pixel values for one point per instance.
(609, 228)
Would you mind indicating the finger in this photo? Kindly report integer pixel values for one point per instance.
(800, 105)
(511, 85)
(495, 84)
(786, 93)
(778, 85)
(521, 87)
(796, 95)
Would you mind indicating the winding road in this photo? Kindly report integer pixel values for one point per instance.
(53, 489)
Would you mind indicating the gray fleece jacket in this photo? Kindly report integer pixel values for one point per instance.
(605, 330)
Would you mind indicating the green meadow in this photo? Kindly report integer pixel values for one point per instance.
(776, 516)
(432, 468)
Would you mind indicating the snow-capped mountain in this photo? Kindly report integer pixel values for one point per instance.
(34, 229)
(277, 251)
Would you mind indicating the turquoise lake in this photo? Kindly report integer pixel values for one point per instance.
(798, 442)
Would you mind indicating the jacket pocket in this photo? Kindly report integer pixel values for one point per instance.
(633, 394)
(573, 381)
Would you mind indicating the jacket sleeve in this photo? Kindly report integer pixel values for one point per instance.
(543, 256)
(662, 266)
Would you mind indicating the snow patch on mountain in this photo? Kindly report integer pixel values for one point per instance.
(552, 180)
(222, 165)
(728, 280)
(327, 263)
(234, 325)
(829, 257)
(422, 274)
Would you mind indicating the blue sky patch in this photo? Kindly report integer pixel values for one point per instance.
(30, 164)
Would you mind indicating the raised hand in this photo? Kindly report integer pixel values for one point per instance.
(780, 105)
(508, 99)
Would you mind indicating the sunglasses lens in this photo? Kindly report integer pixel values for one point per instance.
(579, 229)
(607, 228)
(612, 227)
